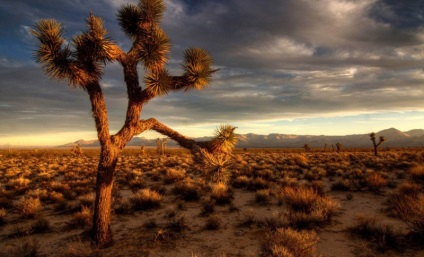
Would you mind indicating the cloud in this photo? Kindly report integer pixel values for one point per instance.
(278, 60)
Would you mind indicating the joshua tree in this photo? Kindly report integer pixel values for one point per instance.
(339, 147)
(142, 150)
(325, 147)
(307, 147)
(76, 150)
(82, 62)
(161, 145)
(376, 145)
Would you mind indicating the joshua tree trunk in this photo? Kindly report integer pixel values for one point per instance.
(101, 232)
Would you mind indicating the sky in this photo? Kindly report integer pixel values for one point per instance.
(322, 67)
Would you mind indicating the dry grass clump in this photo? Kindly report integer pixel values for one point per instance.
(40, 226)
(373, 229)
(213, 222)
(18, 184)
(79, 249)
(376, 182)
(82, 219)
(287, 242)
(300, 160)
(417, 172)
(28, 207)
(146, 199)
(221, 193)
(174, 175)
(409, 188)
(263, 196)
(87, 199)
(410, 209)
(306, 207)
(188, 189)
(241, 181)
(343, 185)
(21, 248)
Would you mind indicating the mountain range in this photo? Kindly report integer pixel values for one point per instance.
(394, 137)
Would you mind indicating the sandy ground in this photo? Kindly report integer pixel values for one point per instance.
(232, 239)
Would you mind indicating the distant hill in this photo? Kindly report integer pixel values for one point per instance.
(395, 138)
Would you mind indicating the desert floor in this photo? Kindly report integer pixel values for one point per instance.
(46, 197)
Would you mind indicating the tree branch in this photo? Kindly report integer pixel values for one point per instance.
(98, 107)
(183, 141)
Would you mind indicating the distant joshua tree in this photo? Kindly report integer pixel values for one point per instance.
(161, 145)
(325, 147)
(307, 148)
(81, 62)
(339, 147)
(142, 149)
(375, 144)
(76, 150)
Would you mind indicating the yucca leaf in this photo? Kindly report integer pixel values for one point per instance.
(151, 10)
(158, 82)
(153, 50)
(225, 139)
(197, 66)
(129, 17)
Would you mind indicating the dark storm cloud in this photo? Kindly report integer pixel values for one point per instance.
(277, 60)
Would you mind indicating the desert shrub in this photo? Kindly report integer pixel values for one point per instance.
(21, 248)
(40, 226)
(410, 209)
(221, 193)
(318, 186)
(87, 199)
(28, 207)
(213, 222)
(258, 183)
(409, 188)
(137, 183)
(373, 229)
(173, 175)
(122, 206)
(18, 183)
(79, 249)
(277, 220)
(306, 207)
(241, 181)
(315, 173)
(176, 225)
(6, 202)
(145, 199)
(208, 207)
(287, 242)
(263, 196)
(82, 219)
(300, 160)
(343, 185)
(188, 189)
(376, 182)
(248, 219)
(417, 172)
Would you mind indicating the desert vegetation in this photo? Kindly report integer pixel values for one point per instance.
(265, 203)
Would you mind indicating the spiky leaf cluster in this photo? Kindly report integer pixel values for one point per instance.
(197, 67)
(81, 62)
(158, 83)
(136, 20)
(225, 139)
(216, 165)
(55, 59)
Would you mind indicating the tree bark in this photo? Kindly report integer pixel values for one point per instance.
(101, 232)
